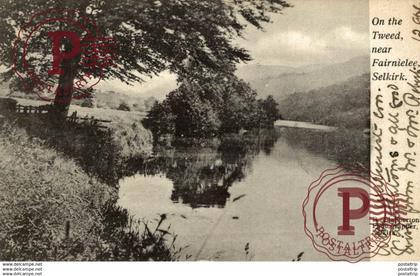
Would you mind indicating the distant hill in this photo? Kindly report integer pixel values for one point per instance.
(252, 72)
(275, 80)
(281, 81)
(345, 104)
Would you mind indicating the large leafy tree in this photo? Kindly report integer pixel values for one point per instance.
(151, 35)
(211, 106)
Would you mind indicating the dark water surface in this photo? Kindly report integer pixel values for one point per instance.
(242, 192)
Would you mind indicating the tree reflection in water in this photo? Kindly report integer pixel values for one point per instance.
(202, 176)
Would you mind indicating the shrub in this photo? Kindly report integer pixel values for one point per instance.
(160, 120)
(88, 102)
(124, 107)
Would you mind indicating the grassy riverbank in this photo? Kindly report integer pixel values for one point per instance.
(43, 193)
(59, 188)
(102, 152)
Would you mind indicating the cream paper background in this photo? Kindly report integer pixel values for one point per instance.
(406, 48)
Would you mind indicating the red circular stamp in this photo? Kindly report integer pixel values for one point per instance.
(349, 213)
(60, 54)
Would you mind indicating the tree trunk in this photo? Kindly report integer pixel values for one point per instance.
(64, 91)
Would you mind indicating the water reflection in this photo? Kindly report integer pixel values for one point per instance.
(201, 176)
(348, 147)
(252, 188)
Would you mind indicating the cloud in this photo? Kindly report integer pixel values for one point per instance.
(305, 47)
(346, 38)
(292, 40)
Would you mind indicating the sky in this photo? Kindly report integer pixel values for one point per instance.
(311, 32)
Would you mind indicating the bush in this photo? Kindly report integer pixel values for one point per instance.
(124, 107)
(88, 102)
(160, 120)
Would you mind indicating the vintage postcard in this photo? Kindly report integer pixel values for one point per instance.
(209, 130)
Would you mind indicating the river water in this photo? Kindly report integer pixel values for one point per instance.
(237, 200)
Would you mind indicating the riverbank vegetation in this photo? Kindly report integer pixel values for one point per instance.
(211, 107)
(100, 149)
(59, 188)
(52, 209)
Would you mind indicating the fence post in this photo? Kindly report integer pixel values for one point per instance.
(67, 230)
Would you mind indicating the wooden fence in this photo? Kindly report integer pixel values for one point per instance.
(30, 109)
(89, 120)
(73, 118)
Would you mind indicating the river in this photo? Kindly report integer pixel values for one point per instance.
(237, 200)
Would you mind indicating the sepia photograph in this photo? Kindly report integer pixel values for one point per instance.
(189, 130)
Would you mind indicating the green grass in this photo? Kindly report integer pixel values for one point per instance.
(40, 192)
(51, 209)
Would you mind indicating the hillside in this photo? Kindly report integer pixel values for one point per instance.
(281, 81)
(345, 104)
